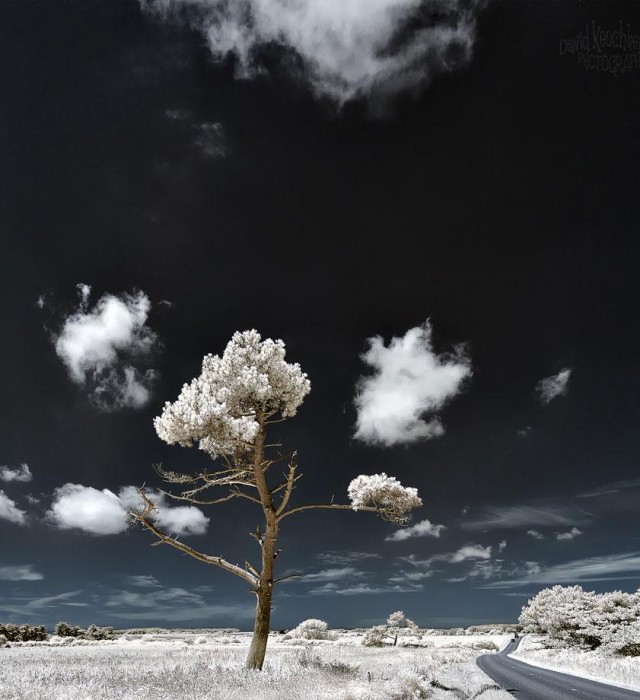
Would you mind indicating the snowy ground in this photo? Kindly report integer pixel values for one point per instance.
(620, 671)
(210, 666)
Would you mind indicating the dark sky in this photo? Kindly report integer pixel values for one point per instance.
(500, 201)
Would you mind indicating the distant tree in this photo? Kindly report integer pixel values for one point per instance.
(227, 411)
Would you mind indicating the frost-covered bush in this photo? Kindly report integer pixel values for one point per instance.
(95, 632)
(386, 493)
(23, 633)
(310, 629)
(3, 640)
(64, 629)
(376, 636)
(569, 616)
(398, 624)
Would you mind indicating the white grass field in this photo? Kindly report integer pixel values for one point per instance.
(620, 671)
(210, 666)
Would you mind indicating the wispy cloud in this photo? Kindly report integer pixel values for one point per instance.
(569, 535)
(344, 558)
(519, 516)
(536, 534)
(34, 607)
(170, 605)
(364, 589)
(611, 489)
(333, 574)
(10, 511)
(425, 528)
(551, 387)
(343, 50)
(21, 473)
(142, 581)
(106, 349)
(602, 568)
(20, 573)
(398, 403)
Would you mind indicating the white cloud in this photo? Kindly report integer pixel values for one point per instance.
(334, 574)
(507, 517)
(346, 49)
(524, 432)
(34, 607)
(536, 534)
(410, 383)
(103, 347)
(553, 386)
(425, 528)
(470, 551)
(502, 546)
(211, 140)
(603, 568)
(19, 573)
(105, 513)
(87, 509)
(346, 557)
(143, 581)
(363, 589)
(570, 535)
(611, 489)
(10, 511)
(21, 473)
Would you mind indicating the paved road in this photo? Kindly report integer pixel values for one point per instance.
(530, 683)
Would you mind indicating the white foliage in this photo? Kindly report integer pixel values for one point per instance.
(398, 620)
(398, 403)
(219, 409)
(570, 616)
(385, 492)
(310, 629)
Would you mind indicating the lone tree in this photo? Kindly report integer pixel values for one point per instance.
(227, 411)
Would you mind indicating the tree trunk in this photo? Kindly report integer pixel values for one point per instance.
(258, 647)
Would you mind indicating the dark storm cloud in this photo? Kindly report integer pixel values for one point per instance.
(371, 49)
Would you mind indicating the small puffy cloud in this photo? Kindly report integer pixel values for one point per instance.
(470, 551)
(536, 534)
(524, 432)
(10, 511)
(570, 535)
(398, 403)
(424, 528)
(104, 513)
(368, 49)
(502, 546)
(553, 386)
(105, 349)
(19, 573)
(88, 509)
(41, 301)
(21, 473)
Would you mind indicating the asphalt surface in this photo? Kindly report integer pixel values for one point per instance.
(530, 683)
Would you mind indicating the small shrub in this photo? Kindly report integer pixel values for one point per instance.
(375, 637)
(64, 629)
(310, 629)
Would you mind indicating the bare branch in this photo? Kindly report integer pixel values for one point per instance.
(291, 479)
(285, 578)
(144, 518)
(332, 506)
(191, 499)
